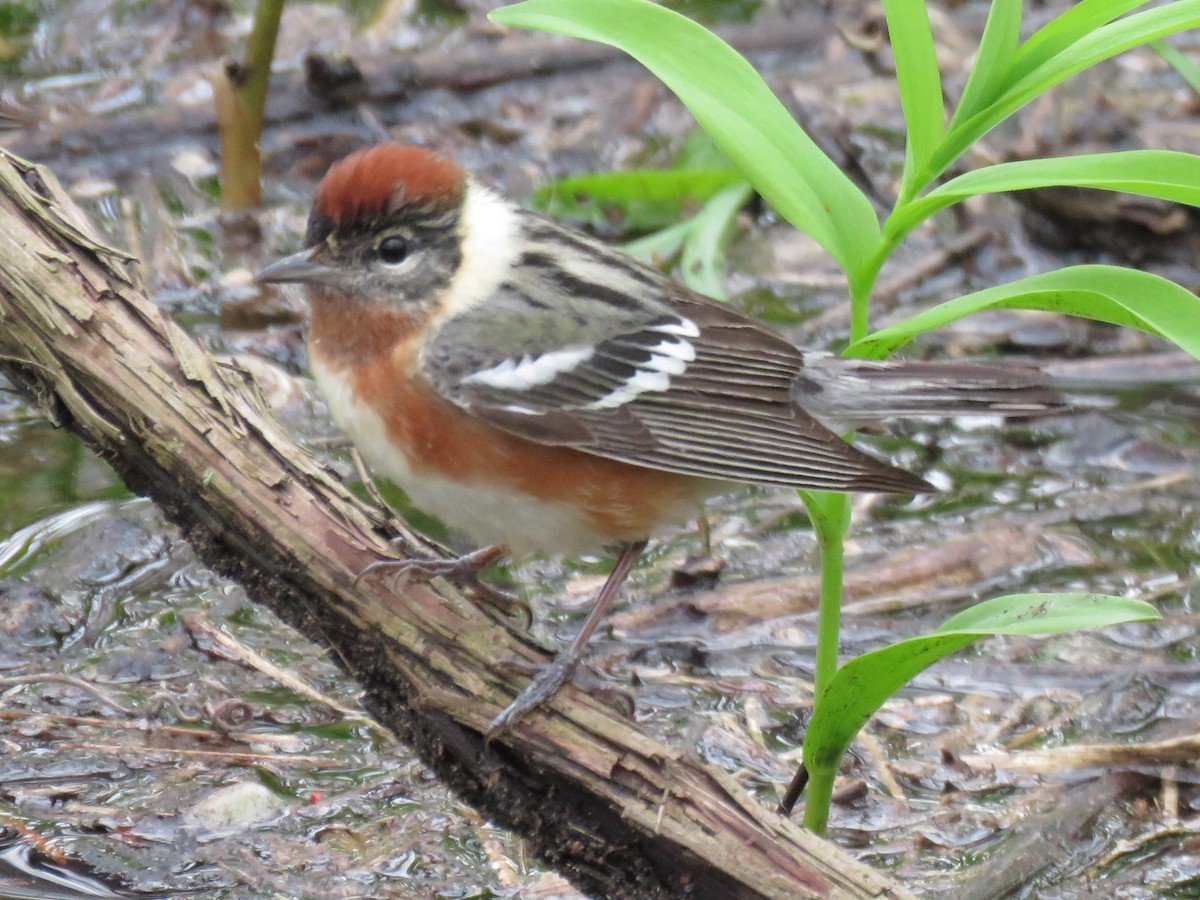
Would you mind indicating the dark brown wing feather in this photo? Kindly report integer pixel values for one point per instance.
(731, 415)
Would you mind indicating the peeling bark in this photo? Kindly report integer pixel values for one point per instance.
(620, 814)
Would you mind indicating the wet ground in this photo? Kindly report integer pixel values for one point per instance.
(140, 693)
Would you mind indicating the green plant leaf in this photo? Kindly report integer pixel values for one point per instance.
(1087, 50)
(997, 47)
(699, 152)
(864, 683)
(1065, 29)
(1188, 70)
(918, 77)
(1047, 614)
(1103, 293)
(661, 246)
(648, 198)
(733, 104)
(703, 263)
(1166, 174)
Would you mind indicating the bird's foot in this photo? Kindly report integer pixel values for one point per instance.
(548, 682)
(462, 570)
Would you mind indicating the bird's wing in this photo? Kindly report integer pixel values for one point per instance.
(641, 370)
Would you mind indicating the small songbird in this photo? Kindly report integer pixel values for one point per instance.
(537, 389)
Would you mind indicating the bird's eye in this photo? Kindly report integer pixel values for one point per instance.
(392, 250)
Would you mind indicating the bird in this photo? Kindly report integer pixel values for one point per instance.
(539, 390)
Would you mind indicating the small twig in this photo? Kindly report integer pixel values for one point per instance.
(368, 483)
(798, 783)
(18, 715)
(1167, 589)
(74, 681)
(1169, 802)
(198, 624)
(1046, 727)
(879, 760)
(497, 858)
(246, 759)
(18, 361)
(704, 527)
(1012, 717)
(34, 839)
(1179, 751)
(1137, 845)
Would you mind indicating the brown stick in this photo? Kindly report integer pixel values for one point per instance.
(618, 812)
(241, 161)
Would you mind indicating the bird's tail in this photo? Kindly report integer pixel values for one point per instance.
(847, 393)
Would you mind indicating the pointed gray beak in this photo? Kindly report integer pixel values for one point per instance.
(298, 267)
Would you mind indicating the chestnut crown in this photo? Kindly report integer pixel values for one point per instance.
(384, 228)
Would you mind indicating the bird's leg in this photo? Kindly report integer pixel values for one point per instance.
(559, 672)
(463, 570)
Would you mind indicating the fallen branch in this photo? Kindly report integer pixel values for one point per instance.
(1177, 751)
(619, 813)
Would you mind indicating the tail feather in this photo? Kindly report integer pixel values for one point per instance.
(847, 393)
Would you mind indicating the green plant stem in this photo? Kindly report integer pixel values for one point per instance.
(241, 186)
(818, 796)
(830, 514)
(240, 96)
(259, 51)
(831, 530)
(862, 282)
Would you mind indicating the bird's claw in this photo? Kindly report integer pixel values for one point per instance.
(545, 685)
(463, 570)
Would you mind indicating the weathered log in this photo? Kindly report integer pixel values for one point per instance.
(617, 812)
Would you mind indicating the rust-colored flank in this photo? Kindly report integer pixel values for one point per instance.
(621, 501)
(378, 177)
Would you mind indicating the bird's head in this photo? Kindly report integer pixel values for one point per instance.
(384, 228)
